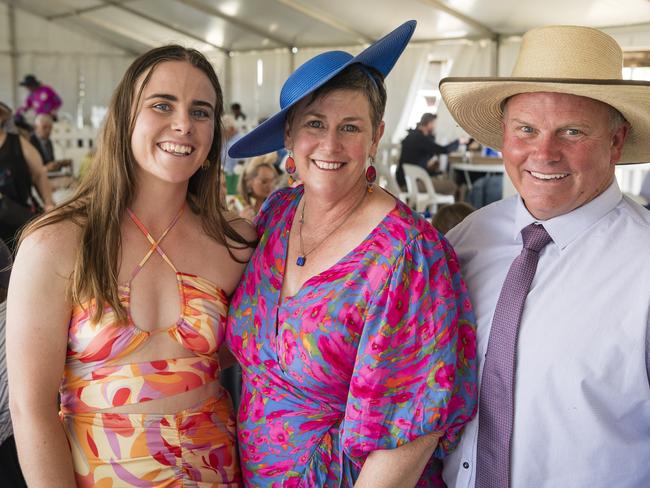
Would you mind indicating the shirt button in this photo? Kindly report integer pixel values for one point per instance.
(466, 465)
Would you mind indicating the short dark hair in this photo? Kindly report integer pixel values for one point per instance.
(364, 79)
(427, 117)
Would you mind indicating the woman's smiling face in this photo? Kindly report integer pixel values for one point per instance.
(331, 139)
(174, 123)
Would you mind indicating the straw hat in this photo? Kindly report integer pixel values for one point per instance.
(564, 59)
(381, 55)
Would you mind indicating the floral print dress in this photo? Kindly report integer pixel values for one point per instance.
(370, 354)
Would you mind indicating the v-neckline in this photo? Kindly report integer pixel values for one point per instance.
(279, 301)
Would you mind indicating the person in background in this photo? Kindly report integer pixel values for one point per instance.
(20, 167)
(351, 322)
(419, 147)
(40, 139)
(258, 180)
(559, 275)
(237, 113)
(10, 473)
(239, 116)
(231, 134)
(134, 273)
(42, 99)
(449, 216)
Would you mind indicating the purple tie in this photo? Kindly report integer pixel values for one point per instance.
(496, 400)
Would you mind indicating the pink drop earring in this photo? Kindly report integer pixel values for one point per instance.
(290, 167)
(371, 174)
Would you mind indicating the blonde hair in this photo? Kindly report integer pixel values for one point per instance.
(251, 169)
(110, 186)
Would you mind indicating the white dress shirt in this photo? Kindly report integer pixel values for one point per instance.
(582, 394)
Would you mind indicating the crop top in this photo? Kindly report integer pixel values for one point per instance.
(95, 378)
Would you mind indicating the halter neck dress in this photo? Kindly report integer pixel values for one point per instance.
(192, 448)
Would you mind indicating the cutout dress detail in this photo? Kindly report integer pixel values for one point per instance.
(194, 447)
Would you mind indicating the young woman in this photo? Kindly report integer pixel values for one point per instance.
(119, 298)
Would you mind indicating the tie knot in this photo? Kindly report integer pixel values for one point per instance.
(535, 237)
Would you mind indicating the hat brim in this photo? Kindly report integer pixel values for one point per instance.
(476, 105)
(381, 55)
(29, 82)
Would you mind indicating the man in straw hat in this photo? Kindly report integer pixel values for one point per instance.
(559, 275)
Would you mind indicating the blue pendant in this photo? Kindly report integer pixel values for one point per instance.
(301, 260)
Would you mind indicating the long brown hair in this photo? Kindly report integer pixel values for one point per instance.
(109, 188)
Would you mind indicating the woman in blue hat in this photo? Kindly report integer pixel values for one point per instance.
(351, 323)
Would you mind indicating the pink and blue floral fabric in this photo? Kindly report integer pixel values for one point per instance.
(373, 353)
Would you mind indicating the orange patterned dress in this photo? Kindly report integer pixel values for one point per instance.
(192, 448)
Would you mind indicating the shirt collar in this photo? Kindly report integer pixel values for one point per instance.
(564, 229)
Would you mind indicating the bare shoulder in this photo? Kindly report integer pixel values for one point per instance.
(54, 246)
(29, 151)
(206, 255)
(211, 259)
(380, 205)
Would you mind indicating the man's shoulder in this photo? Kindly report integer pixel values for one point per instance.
(635, 213)
(629, 227)
(409, 136)
(492, 219)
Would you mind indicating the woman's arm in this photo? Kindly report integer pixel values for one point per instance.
(397, 468)
(38, 172)
(38, 314)
(415, 359)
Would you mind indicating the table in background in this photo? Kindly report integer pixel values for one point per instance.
(475, 163)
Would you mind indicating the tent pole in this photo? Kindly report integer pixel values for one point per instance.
(13, 54)
(227, 93)
(497, 47)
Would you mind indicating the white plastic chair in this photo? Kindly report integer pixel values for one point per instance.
(423, 200)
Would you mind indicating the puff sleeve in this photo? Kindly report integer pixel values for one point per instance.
(415, 370)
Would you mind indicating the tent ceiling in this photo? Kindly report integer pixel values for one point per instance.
(244, 25)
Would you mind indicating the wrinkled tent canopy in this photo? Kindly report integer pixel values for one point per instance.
(83, 46)
(244, 25)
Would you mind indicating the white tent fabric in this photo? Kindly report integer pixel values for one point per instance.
(257, 101)
(64, 57)
(463, 59)
(83, 49)
(402, 86)
(59, 57)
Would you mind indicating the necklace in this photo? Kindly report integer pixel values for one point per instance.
(302, 258)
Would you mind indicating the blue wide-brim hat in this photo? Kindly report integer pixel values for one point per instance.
(381, 55)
